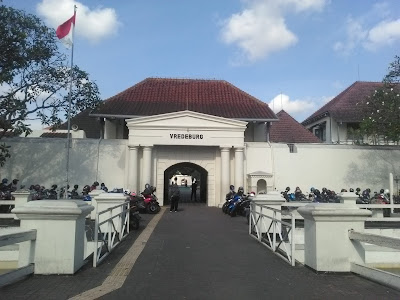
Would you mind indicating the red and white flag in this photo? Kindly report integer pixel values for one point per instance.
(64, 31)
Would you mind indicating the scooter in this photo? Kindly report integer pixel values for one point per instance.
(134, 217)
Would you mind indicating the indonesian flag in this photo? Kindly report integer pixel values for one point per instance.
(64, 31)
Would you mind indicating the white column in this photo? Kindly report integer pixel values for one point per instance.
(225, 173)
(60, 226)
(327, 247)
(21, 198)
(146, 171)
(132, 168)
(238, 167)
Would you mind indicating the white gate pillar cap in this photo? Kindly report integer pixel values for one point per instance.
(333, 211)
(21, 192)
(95, 193)
(348, 198)
(104, 197)
(53, 209)
(273, 197)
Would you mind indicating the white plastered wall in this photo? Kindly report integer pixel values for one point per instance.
(43, 161)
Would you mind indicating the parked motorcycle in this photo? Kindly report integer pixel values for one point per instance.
(150, 200)
(134, 217)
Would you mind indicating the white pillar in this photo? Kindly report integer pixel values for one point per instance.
(60, 226)
(146, 170)
(93, 202)
(105, 201)
(238, 167)
(133, 168)
(21, 198)
(327, 247)
(225, 173)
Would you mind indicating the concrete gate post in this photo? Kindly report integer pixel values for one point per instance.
(60, 226)
(107, 200)
(327, 247)
(21, 198)
(93, 194)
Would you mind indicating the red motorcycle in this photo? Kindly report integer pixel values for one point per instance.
(146, 201)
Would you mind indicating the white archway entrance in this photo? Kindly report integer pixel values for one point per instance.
(158, 142)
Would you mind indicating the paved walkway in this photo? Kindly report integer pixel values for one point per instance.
(197, 253)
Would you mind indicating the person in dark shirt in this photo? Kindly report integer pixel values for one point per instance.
(194, 190)
(175, 195)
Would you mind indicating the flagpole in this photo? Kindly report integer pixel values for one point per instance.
(71, 73)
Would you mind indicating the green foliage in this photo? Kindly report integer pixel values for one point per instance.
(394, 72)
(4, 153)
(381, 113)
(35, 77)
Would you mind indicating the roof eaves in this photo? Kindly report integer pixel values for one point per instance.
(115, 116)
(316, 118)
(256, 120)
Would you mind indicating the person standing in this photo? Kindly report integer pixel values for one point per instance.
(194, 190)
(175, 195)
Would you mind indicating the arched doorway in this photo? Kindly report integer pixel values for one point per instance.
(261, 186)
(186, 170)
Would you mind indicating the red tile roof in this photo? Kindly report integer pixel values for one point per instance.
(288, 130)
(154, 96)
(343, 107)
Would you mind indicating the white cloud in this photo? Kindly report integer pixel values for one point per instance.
(299, 109)
(260, 29)
(283, 101)
(371, 31)
(383, 34)
(355, 35)
(92, 24)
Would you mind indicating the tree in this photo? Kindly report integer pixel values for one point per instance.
(34, 77)
(381, 110)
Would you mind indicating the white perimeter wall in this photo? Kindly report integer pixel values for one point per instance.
(334, 166)
(43, 161)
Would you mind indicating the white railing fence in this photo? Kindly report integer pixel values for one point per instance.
(109, 232)
(379, 240)
(377, 210)
(272, 232)
(383, 277)
(27, 267)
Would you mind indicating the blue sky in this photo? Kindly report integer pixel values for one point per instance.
(298, 53)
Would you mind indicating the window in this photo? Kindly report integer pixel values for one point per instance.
(292, 148)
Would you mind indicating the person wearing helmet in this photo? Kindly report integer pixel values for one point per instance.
(94, 186)
(231, 192)
(86, 190)
(148, 190)
(3, 184)
(103, 187)
(240, 191)
(351, 190)
(74, 192)
(13, 185)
